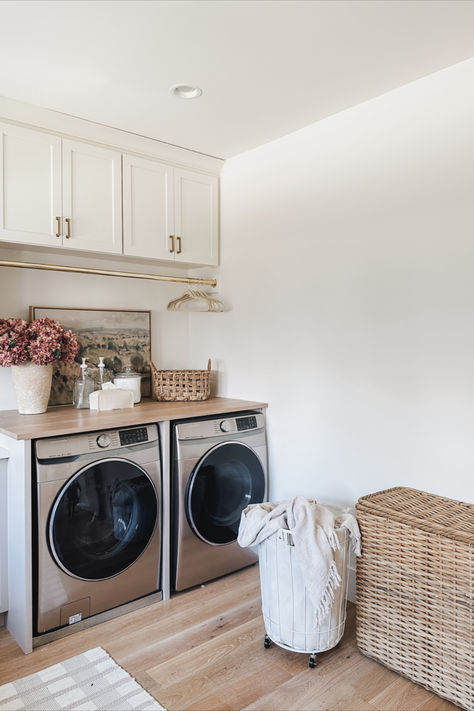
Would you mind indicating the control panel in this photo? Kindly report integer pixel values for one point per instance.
(224, 426)
(135, 436)
(89, 443)
(246, 423)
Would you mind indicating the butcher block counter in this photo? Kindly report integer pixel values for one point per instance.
(66, 420)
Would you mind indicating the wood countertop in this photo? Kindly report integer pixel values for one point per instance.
(65, 420)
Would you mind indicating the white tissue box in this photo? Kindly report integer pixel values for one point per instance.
(113, 399)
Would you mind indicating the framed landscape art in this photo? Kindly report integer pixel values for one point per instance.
(123, 337)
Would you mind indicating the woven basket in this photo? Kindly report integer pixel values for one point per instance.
(181, 385)
(415, 589)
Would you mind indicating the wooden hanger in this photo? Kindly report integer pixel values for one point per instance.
(196, 296)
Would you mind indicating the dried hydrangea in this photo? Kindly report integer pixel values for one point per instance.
(13, 341)
(42, 341)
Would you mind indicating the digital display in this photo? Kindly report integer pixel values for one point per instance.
(246, 423)
(135, 436)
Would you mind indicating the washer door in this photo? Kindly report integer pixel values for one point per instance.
(103, 519)
(227, 479)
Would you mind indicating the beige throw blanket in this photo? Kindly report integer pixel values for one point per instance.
(313, 531)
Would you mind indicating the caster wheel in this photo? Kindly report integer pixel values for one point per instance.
(312, 661)
(266, 641)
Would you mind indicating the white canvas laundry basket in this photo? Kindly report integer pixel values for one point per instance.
(287, 609)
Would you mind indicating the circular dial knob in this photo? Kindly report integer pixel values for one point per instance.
(226, 425)
(103, 440)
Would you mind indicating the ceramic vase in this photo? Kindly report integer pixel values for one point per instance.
(32, 385)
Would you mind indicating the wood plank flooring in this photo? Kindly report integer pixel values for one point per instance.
(203, 651)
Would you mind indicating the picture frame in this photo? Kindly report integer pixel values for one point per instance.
(121, 336)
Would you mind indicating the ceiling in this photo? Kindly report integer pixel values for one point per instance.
(266, 67)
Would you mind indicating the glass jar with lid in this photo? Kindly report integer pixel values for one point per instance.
(129, 379)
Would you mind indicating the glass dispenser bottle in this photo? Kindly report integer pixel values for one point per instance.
(83, 387)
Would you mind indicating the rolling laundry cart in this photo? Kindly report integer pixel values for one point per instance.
(288, 612)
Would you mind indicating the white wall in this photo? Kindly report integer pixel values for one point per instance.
(348, 256)
(20, 288)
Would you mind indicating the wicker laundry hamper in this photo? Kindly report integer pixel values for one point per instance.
(287, 609)
(415, 589)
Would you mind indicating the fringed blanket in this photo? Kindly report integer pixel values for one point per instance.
(313, 531)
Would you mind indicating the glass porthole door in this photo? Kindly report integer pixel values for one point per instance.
(227, 479)
(103, 519)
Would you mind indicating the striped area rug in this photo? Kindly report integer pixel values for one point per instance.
(92, 681)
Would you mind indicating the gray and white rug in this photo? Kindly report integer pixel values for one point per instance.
(92, 681)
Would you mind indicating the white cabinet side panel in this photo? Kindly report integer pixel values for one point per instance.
(4, 456)
(20, 607)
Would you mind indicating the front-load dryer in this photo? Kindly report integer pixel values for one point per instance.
(98, 520)
(219, 468)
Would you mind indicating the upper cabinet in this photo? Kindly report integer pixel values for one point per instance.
(30, 186)
(148, 208)
(196, 217)
(75, 202)
(92, 197)
(80, 195)
(169, 213)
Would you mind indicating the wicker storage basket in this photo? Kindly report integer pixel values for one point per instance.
(415, 589)
(181, 385)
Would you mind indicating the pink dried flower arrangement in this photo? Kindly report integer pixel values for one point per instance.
(13, 341)
(43, 341)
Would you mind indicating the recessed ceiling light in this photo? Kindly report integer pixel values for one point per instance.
(186, 91)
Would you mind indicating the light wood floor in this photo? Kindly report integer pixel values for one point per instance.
(203, 651)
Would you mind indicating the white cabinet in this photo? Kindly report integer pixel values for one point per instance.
(196, 217)
(92, 198)
(58, 192)
(37, 169)
(3, 532)
(169, 213)
(148, 208)
(30, 186)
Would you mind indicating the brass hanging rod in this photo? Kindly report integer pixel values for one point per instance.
(108, 272)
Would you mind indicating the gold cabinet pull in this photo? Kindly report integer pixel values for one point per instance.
(68, 220)
(172, 243)
(178, 251)
(58, 233)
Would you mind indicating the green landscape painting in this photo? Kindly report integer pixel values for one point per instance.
(122, 337)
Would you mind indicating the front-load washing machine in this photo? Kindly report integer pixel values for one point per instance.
(219, 467)
(98, 519)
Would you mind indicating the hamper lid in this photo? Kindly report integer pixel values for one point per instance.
(428, 512)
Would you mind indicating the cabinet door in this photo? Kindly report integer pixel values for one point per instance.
(196, 217)
(30, 186)
(148, 217)
(92, 197)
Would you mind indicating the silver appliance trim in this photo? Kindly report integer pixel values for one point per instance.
(190, 486)
(56, 503)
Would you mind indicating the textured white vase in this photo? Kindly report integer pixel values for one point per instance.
(32, 385)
